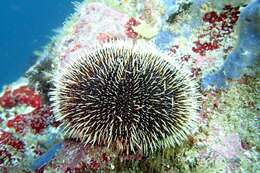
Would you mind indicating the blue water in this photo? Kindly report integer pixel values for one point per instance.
(26, 26)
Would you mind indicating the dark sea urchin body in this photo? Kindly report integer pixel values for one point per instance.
(125, 95)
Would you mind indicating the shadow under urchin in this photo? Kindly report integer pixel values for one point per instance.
(125, 97)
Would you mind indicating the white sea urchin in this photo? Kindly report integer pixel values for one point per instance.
(127, 94)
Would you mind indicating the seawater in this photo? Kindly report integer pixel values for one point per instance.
(24, 28)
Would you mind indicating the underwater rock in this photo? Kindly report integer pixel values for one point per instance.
(245, 58)
(92, 20)
(226, 138)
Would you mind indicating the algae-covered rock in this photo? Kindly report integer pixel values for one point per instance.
(216, 41)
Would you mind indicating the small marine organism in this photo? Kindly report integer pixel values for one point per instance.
(127, 96)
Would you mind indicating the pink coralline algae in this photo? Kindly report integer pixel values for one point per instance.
(200, 60)
(228, 147)
(36, 120)
(129, 30)
(8, 139)
(79, 158)
(97, 23)
(5, 156)
(21, 95)
(18, 123)
(16, 126)
(7, 101)
(211, 36)
(103, 37)
(219, 26)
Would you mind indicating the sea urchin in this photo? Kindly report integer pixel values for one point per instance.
(127, 95)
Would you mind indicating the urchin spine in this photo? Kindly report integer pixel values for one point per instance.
(128, 95)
